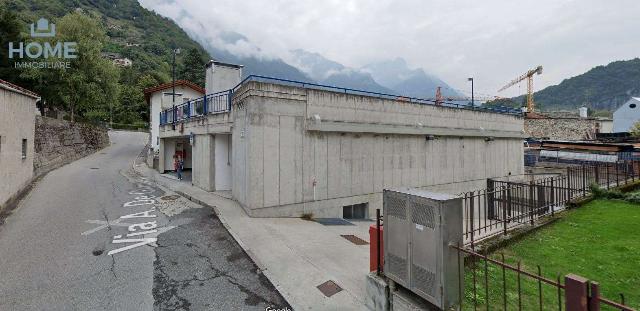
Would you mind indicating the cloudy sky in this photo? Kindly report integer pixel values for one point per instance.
(491, 40)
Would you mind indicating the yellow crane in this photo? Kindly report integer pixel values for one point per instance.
(529, 76)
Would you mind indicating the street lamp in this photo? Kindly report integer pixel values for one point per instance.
(173, 92)
(473, 104)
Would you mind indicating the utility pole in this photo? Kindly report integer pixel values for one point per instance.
(473, 104)
(173, 92)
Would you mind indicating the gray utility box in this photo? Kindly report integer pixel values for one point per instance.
(419, 227)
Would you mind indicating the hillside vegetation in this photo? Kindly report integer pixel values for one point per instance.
(130, 31)
(601, 88)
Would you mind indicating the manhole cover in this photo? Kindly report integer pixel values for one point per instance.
(329, 288)
(169, 197)
(354, 239)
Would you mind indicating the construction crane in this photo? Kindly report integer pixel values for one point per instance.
(529, 76)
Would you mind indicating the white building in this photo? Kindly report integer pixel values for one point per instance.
(626, 115)
(287, 148)
(160, 98)
(17, 132)
(122, 62)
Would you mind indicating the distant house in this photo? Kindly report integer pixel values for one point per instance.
(626, 115)
(160, 98)
(17, 132)
(122, 62)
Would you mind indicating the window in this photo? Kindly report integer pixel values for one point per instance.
(356, 211)
(632, 105)
(24, 148)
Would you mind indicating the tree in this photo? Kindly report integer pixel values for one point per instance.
(635, 129)
(193, 67)
(90, 85)
(9, 32)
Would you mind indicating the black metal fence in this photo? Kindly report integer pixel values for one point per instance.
(491, 283)
(509, 203)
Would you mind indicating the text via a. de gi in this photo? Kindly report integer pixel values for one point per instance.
(141, 224)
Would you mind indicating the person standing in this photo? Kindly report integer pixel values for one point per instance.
(180, 167)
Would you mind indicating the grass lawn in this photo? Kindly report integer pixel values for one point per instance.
(599, 241)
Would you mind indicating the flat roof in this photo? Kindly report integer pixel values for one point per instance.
(218, 63)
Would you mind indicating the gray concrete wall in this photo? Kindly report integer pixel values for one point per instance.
(203, 162)
(279, 150)
(221, 77)
(17, 122)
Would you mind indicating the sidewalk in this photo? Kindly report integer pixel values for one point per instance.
(295, 255)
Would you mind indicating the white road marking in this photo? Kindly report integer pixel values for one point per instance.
(104, 224)
(138, 243)
(145, 214)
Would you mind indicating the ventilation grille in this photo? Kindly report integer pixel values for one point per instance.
(424, 280)
(423, 214)
(397, 207)
(397, 266)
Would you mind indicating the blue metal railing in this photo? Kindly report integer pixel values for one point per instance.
(220, 102)
(415, 100)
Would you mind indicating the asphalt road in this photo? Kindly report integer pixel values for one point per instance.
(94, 235)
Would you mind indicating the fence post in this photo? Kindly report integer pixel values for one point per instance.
(575, 293)
(597, 169)
(594, 297)
(617, 176)
(490, 199)
(584, 180)
(553, 196)
(229, 96)
(568, 184)
(608, 180)
(531, 201)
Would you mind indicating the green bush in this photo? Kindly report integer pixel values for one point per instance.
(633, 197)
(601, 193)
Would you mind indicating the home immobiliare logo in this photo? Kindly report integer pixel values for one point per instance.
(42, 53)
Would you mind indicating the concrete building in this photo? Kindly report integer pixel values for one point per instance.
(160, 98)
(226, 76)
(17, 130)
(288, 149)
(626, 115)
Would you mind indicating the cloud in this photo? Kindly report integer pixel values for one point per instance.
(492, 40)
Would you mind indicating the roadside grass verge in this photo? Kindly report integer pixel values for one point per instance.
(599, 241)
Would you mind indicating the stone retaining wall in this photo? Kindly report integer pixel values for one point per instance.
(560, 128)
(58, 142)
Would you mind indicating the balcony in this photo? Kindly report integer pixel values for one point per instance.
(209, 104)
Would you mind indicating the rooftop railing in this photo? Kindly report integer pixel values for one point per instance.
(221, 102)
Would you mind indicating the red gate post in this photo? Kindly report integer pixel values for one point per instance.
(594, 297)
(575, 293)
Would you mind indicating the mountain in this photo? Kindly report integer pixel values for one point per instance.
(396, 75)
(601, 88)
(329, 72)
(253, 65)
